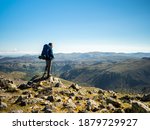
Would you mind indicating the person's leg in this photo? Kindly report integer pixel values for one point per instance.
(46, 67)
(49, 68)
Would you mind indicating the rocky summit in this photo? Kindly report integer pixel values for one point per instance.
(55, 95)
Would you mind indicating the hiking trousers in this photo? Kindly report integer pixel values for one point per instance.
(48, 67)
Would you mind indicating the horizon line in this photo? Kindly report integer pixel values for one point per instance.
(36, 53)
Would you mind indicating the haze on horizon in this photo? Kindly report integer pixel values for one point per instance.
(74, 26)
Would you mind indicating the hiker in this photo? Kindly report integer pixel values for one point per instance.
(47, 55)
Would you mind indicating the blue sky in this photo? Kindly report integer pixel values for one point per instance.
(75, 25)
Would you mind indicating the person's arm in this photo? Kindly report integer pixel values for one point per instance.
(50, 53)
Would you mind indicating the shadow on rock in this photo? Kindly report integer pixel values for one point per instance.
(36, 79)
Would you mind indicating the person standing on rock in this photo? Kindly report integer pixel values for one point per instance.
(47, 55)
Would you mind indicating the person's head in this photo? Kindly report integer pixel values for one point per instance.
(51, 44)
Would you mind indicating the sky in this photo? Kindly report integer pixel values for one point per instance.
(74, 26)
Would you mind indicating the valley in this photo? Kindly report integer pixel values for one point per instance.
(110, 71)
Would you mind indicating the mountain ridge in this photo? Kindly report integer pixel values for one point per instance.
(129, 74)
(86, 56)
(125, 73)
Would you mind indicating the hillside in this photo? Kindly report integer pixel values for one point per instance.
(126, 72)
(58, 95)
(129, 75)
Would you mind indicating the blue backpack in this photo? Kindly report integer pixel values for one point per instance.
(46, 52)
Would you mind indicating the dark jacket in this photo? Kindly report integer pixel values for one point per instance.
(47, 52)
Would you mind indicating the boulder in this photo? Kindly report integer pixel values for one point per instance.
(71, 95)
(138, 107)
(3, 105)
(114, 95)
(54, 80)
(125, 99)
(23, 103)
(4, 83)
(114, 102)
(104, 110)
(7, 85)
(58, 85)
(58, 105)
(44, 103)
(89, 92)
(110, 107)
(82, 92)
(21, 99)
(100, 91)
(82, 111)
(43, 83)
(24, 86)
(28, 93)
(35, 109)
(45, 91)
(58, 99)
(70, 104)
(16, 111)
(137, 97)
(2, 98)
(48, 109)
(92, 105)
(119, 110)
(33, 101)
(146, 98)
(78, 98)
(102, 106)
(75, 87)
(111, 92)
(50, 98)
(11, 87)
(67, 93)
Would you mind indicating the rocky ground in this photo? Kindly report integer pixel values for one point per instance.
(56, 95)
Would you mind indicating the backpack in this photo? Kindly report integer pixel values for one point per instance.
(46, 53)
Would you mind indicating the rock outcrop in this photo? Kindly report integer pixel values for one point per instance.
(139, 107)
(146, 98)
(57, 95)
(7, 85)
(3, 105)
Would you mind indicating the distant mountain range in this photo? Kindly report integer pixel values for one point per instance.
(99, 56)
(94, 56)
(128, 72)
